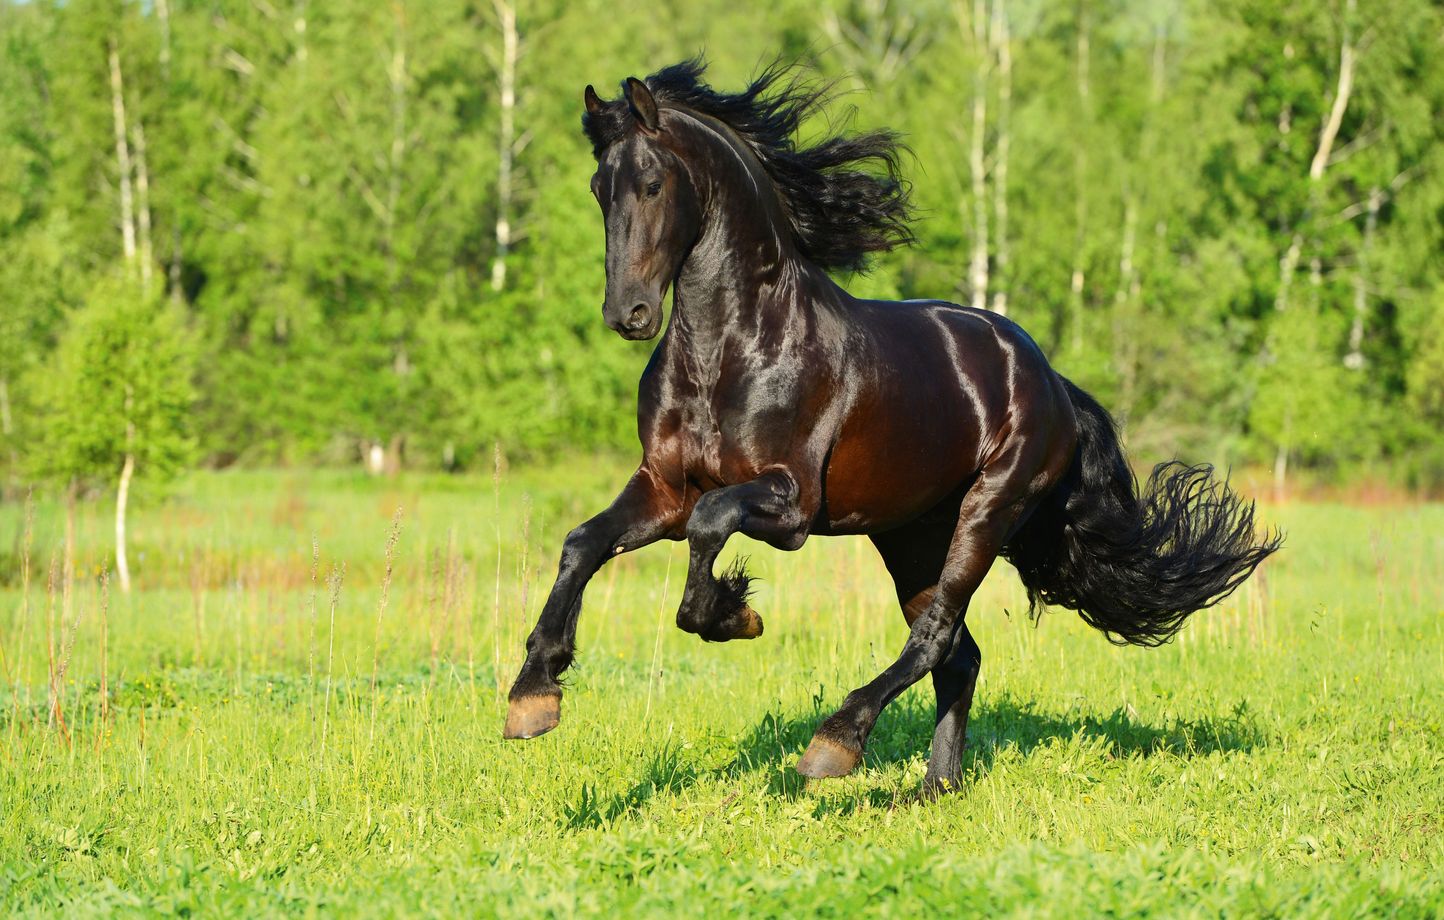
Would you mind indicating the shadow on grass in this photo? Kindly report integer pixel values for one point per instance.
(904, 732)
(666, 772)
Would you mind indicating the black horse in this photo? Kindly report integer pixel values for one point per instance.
(779, 406)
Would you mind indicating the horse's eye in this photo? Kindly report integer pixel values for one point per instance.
(654, 189)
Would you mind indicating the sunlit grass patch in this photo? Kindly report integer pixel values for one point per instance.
(1284, 756)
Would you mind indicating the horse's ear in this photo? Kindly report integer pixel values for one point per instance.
(594, 102)
(642, 103)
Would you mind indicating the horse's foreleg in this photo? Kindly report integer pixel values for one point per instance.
(643, 513)
(767, 508)
(995, 503)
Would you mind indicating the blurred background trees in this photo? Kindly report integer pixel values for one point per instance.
(366, 225)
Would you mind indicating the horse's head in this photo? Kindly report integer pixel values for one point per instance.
(650, 209)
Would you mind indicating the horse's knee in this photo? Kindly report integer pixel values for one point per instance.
(711, 521)
(586, 547)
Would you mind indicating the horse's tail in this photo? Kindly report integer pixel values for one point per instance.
(1135, 565)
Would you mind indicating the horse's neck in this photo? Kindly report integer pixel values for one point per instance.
(732, 291)
(744, 279)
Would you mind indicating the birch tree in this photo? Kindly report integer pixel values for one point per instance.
(119, 395)
(877, 39)
(977, 24)
(1082, 70)
(1296, 373)
(507, 144)
(124, 169)
(1001, 43)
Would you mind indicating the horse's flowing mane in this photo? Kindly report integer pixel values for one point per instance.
(840, 210)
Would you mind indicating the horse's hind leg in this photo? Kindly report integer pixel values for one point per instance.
(953, 682)
(914, 556)
(996, 502)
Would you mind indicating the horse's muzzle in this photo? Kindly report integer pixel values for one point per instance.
(640, 321)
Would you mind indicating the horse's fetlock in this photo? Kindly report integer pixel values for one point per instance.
(843, 729)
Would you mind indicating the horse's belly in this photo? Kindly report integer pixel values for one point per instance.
(884, 472)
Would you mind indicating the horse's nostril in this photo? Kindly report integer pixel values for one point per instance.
(638, 317)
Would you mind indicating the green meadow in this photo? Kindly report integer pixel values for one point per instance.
(270, 724)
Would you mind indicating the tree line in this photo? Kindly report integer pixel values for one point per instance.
(284, 231)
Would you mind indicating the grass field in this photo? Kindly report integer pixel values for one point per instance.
(271, 740)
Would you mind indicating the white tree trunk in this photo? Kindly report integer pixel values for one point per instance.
(122, 155)
(396, 74)
(173, 266)
(6, 423)
(1080, 178)
(877, 39)
(1354, 359)
(1127, 306)
(142, 207)
(506, 137)
(1289, 263)
(122, 497)
(1127, 269)
(1330, 130)
(1281, 471)
(977, 167)
(1002, 49)
(7, 426)
(302, 51)
(162, 11)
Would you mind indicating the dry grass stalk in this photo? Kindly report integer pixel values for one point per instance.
(450, 591)
(104, 656)
(333, 582)
(24, 613)
(63, 668)
(199, 578)
(142, 759)
(496, 585)
(446, 567)
(654, 672)
(391, 540)
(50, 590)
(433, 587)
(311, 638)
(523, 617)
(68, 571)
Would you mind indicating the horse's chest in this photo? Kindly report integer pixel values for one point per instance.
(728, 425)
(730, 436)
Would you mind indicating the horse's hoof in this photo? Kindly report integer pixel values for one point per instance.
(743, 624)
(749, 624)
(530, 716)
(825, 757)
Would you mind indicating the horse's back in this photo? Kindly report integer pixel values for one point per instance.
(946, 388)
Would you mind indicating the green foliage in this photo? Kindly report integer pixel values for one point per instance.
(118, 384)
(322, 186)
